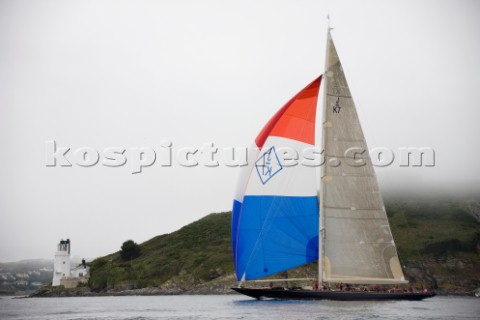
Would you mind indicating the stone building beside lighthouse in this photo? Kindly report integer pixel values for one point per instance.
(63, 274)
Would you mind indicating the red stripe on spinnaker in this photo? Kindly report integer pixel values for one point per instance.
(296, 119)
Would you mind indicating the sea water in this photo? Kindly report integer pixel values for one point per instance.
(232, 307)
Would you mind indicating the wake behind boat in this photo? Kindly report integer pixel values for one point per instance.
(281, 221)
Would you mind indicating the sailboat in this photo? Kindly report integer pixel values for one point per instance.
(281, 221)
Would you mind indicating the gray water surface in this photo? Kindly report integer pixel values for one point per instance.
(232, 307)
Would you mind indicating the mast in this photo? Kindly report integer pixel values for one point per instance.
(321, 225)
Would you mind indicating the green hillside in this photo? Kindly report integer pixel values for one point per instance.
(198, 252)
(426, 229)
(438, 243)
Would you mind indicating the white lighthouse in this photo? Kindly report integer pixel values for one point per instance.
(61, 266)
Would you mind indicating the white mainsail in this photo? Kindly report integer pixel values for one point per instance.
(356, 242)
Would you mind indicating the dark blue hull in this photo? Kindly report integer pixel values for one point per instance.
(282, 294)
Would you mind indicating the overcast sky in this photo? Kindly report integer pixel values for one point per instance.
(132, 74)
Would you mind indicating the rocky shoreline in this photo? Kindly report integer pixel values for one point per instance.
(49, 292)
(219, 286)
(159, 292)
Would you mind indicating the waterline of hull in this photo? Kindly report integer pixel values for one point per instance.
(331, 295)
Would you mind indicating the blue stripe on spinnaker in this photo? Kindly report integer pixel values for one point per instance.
(275, 233)
(237, 207)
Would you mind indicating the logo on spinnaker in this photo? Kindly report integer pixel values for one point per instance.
(268, 165)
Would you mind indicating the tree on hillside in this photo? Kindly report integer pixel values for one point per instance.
(130, 250)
